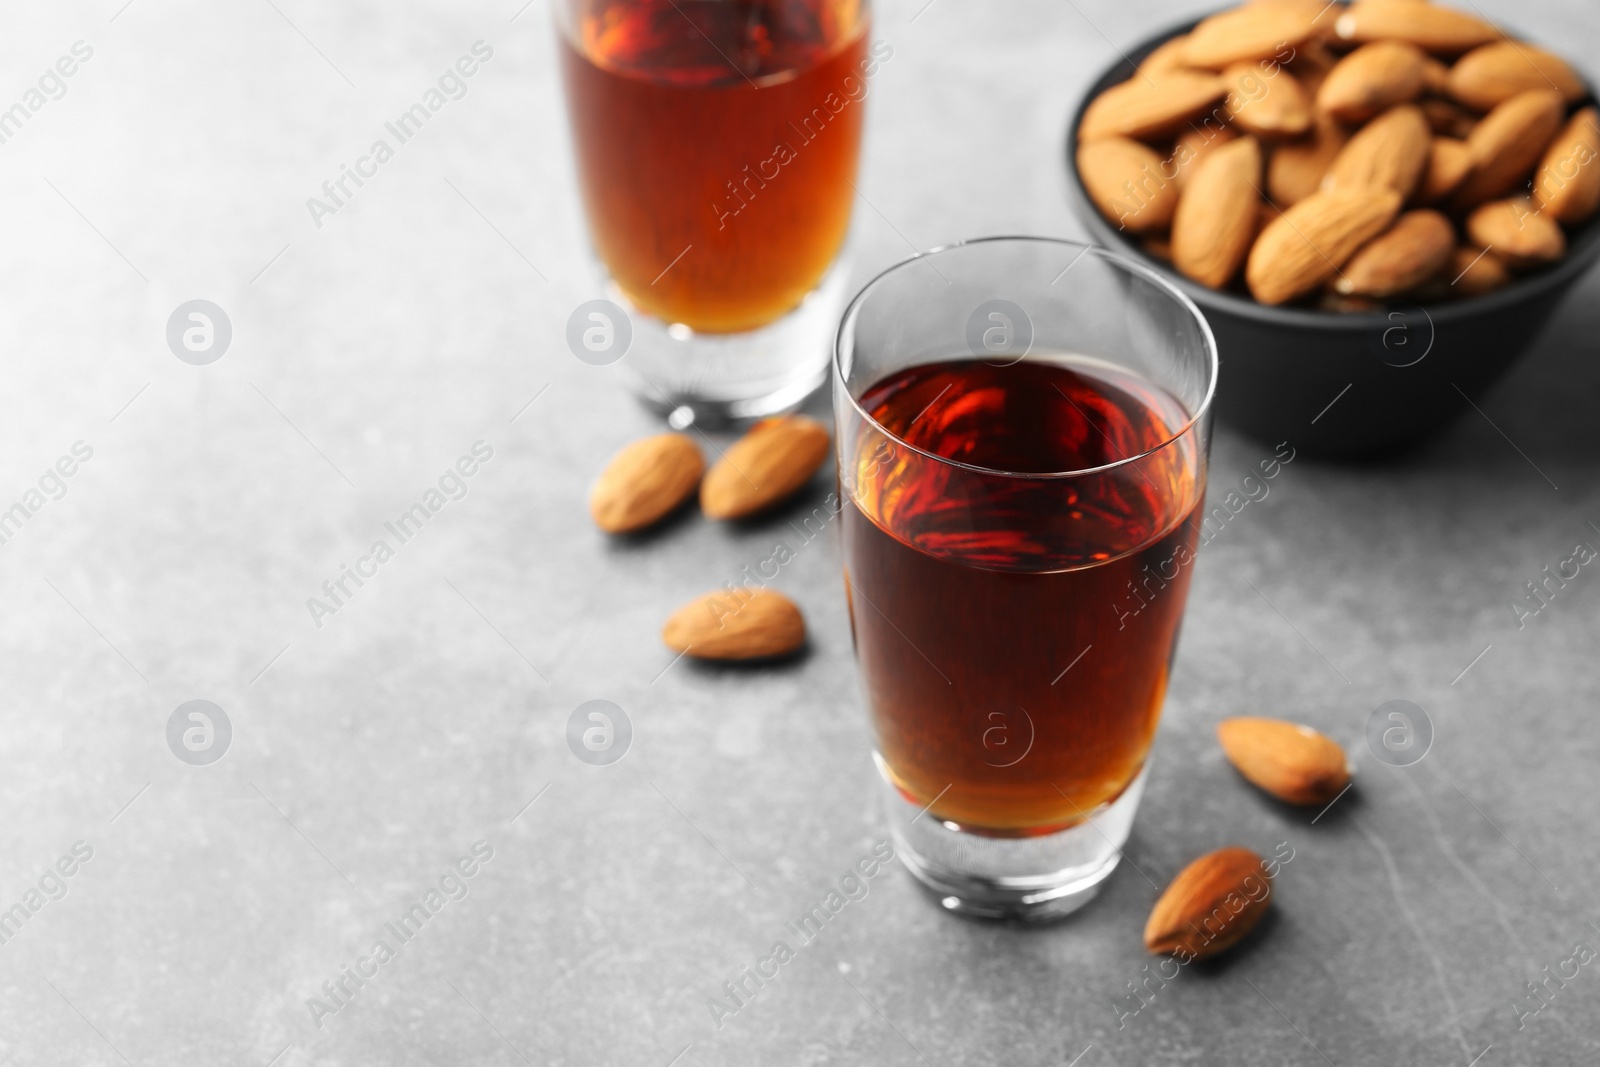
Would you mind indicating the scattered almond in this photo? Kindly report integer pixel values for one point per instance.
(1210, 906)
(1125, 180)
(1567, 183)
(1292, 762)
(1266, 107)
(771, 461)
(1517, 232)
(1306, 245)
(1371, 79)
(1507, 144)
(1255, 31)
(1493, 74)
(1449, 162)
(1431, 27)
(1296, 170)
(1390, 152)
(645, 482)
(1150, 106)
(1216, 219)
(1195, 144)
(736, 624)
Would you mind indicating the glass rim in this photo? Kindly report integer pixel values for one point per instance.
(1122, 263)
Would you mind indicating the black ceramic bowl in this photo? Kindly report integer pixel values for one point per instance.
(1350, 384)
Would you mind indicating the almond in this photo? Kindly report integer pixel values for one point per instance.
(1295, 171)
(1435, 76)
(1310, 66)
(774, 459)
(1125, 180)
(1398, 260)
(739, 623)
(1449, 162)
(644, 482)
(1169, 55)
(1567, 183)
(1306, 245)
(1440, 30)
(1267, 107)
(1447, 119)
(1292, 762)
(1517, 232)
(1255, 31)
(1493, 74)
(1371, 79)
(1216, 218)
(1150, 105)
(1195, 144)
(1389, 152)
(1210, 906)
(1508, 143)
(1474, 271)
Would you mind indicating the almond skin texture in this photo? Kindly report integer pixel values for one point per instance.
(1390, 152)
(774, 459)
(1440, 30)
(1266, 107)
(1307, 244)
(1493, 74)
(1125, 180)
(1294, 763)
(1449, 163)
(736, 624)
(1195, 144)
(1296, 170)
(645, 482)
(1210, 906)
(1516, 232)
(1216, 219)
(1474, 272)
(1508, 143)
(1255, 31)
(1371, 79)
(1567, 183)
(1144, 107)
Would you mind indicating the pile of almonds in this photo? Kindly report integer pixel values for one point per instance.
(1346, 155)
(1217, 899)
(650, 479)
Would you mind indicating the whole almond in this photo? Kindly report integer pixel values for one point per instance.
(1216, 218)
(1210, 906)
(1496, 72)
(1517, 232)
(1390, 152)
(1255, 31)
(644, 482)
(1449, 163)
(1195, 144)
(1441, 30)
(1401, 258)
(1567, 183)
(1292, 762)
(735, 624)
(1306, 245)
(771, 461)
(1266, 107)
(1448, 119)
(1474, 272)
(1508, 143)
(1127, 182)
(1371, 79)
(1150, 105)
(1296, 170)
(1169, 55)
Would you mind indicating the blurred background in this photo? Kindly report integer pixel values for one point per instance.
(368, 750)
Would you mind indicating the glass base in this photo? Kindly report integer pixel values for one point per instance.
(1029, 878)
(714, 380)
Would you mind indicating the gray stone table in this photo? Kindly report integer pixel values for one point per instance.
(206, 905)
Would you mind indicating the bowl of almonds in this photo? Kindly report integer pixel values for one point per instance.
(1377, 204)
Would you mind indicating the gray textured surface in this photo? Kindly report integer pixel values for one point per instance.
(422, 717)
